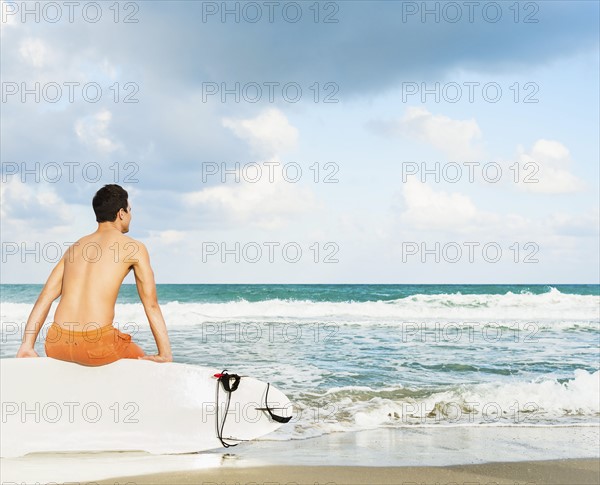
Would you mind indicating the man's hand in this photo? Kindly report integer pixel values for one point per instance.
(26, 351)
(157, 358)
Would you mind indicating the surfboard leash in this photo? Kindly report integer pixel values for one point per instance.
(274, 417)
(224, 379)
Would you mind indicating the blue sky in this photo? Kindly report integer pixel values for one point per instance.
(371, 219)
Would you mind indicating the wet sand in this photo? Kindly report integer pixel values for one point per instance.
(563, 472)
(410, 456)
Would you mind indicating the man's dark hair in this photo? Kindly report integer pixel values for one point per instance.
(108, 201)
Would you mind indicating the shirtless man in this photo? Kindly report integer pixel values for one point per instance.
(87, 279)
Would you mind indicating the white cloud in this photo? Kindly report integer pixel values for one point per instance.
(579, 225)
(171, 236)
(21, 201)
(547, 166)
(93, 132)
(108, 69)
(428, 209)
(265, 204)
(38, 225)
(455, 138)
(269, 134)
(9, 16)
(35, 53)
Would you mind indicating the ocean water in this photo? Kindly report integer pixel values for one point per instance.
(363, 357)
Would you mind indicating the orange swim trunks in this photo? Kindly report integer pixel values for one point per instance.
(92, 346)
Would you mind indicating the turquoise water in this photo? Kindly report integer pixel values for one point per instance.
(185, 293)
(354, 357)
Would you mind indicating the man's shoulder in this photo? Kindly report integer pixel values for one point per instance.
(127, 240)
(136, 250)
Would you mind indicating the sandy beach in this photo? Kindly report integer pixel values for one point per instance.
(483, 455)
(555, 472)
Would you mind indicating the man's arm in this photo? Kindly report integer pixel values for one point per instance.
(51, 291)
(144, 280)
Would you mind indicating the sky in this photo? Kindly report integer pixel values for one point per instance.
(307, 142)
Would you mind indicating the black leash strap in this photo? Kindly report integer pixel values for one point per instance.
(274, 417)
(224, 379)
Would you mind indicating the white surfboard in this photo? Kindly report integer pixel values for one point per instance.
(53, 406)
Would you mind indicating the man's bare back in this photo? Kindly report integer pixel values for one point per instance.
(88, 278)
(94, 269)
